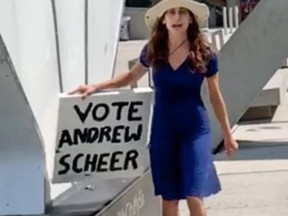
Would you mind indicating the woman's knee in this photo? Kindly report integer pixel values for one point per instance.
(170, 205)
(196, 204)
(194, 199)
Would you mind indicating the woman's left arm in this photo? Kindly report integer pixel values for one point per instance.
(220, 111)
(218, 104)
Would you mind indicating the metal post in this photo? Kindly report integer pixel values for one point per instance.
(231, 19)
(236, 16)
(57, 46)
(86, 43)
(225, 20)
(221, 39)
(214, 42)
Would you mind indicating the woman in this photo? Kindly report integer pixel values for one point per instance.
(180, 143)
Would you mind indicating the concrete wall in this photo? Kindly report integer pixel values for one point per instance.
(138, 29)
(99, 43)
(71, 33)
(32, 49)
(22, 164)
(28, 32)
(104, 18)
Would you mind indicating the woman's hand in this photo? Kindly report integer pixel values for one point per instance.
(86, 90)
(121, 80)
(230, 145)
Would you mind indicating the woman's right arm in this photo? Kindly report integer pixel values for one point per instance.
(125, 79)
(121, 80)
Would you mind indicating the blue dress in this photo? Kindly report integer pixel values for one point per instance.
(180, 143)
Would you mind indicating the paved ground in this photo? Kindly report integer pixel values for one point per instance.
(255, 182)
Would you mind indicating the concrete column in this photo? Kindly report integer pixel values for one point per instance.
(225, 20)
(233, 3)
(236, 16)
(230, 10)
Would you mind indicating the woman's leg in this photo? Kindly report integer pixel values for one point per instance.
(196, 206)
(170, 208)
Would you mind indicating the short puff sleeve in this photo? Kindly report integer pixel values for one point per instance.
(143, 56)
(212, 66)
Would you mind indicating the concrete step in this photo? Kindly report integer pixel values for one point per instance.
(274, 91)
(281, 113)
(262, 132)
(273, 95)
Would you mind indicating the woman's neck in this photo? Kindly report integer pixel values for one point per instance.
(175, 40)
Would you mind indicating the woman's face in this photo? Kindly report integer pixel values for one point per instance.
(177, 20)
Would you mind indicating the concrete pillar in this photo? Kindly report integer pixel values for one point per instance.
(233, 3)
(225, 20)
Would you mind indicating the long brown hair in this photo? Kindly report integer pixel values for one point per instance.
(158, 51)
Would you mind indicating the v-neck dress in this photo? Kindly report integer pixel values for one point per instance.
(180, 141)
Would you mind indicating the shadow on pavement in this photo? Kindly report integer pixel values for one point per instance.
(263, 150)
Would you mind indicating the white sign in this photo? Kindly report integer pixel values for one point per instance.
(104, 135)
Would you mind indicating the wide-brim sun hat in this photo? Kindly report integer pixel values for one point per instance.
(200, 10)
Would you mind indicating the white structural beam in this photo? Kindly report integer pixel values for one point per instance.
(22, 163)
(252, 55)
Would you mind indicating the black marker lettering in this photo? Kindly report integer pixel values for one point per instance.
(92, 135)
(133, 110)
(133, 136)
(120, 106)
(80, 135)
(104, 115)
(83, 115)
(75, 163)
(131, 157)
(102, 162)
(90, 164)
(105, 132)
(116, 134)
(114, 161)
(65, 138)
(65, 164)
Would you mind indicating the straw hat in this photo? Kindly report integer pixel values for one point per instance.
(200, 10)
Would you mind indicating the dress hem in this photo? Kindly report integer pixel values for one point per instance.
(183, 197)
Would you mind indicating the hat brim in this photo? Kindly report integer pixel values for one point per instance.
(200, 10)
